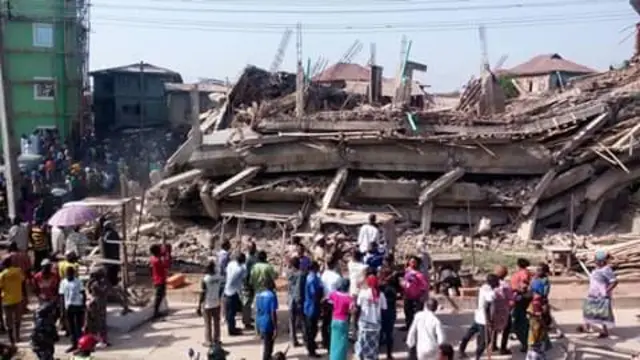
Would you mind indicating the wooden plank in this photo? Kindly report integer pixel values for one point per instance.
(540, 188)
(427, 213)
(581, 136)
(334, 189)
(238, 179)
(436, 187)
(349, 217)
(590, 218)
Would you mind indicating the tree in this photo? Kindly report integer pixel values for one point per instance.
(510, 90)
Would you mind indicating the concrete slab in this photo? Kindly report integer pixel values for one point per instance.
(133, 320)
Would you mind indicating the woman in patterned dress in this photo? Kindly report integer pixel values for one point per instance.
(371, 303)
(96, 319)
(502, 311)
(597, 309)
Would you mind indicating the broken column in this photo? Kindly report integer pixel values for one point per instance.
(425, 200)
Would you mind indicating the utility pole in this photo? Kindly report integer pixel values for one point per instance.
(141, 98)
(9, 149)
(299, 75)
(196, 134)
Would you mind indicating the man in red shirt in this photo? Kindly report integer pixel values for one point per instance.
(45, 282)
(160, 262)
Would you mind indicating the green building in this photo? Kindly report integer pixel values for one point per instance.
(44, 47)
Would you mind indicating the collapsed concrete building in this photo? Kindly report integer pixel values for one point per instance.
(550, 161)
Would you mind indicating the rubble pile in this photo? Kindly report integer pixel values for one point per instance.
(552, 162)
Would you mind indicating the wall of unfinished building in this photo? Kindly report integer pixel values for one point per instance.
(179, 105)
(536, 84)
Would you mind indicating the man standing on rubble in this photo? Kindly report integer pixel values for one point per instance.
(368, 234)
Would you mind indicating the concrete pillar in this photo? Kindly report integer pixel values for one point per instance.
(425, 218)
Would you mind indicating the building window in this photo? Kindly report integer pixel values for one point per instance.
(43, 35)
(44, 89)
(131, 109)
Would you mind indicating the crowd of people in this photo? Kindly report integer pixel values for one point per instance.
(360, 306)
(53, 171)
(44, 263)
(346, 302)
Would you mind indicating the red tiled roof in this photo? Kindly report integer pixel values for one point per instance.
(548, 63)
(344, 71)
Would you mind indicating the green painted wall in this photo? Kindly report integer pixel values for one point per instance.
(24, 62)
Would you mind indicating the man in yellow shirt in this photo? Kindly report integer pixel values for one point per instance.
(11, 279)
(71, 259)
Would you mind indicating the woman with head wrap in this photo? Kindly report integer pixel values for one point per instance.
(342, 304)
(596, 308)
(371, 303)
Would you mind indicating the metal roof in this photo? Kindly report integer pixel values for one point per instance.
(548, 63)
(136, 68)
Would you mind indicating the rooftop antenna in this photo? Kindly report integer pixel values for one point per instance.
(348, 56)
(282, 48)
(500, 62)
(299, 74)
(351, 52)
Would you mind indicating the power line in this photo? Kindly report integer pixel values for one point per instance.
(519, 5)
(368, 26)
(425, 28)
(310, 3)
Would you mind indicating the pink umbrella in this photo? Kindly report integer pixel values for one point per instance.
(73, 215)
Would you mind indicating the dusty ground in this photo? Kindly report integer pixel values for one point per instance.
(182, 330)
(172, 338)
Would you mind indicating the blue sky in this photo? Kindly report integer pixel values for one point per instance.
(191, 37)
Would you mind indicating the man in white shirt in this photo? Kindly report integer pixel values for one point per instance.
(426, 333)
(76, 242)
(357, 271)
(368, 234)
(235, 275)
(58, 240)
(72, 292)
(482, 317)
(210, 303)
(330, 282)
(19, 234)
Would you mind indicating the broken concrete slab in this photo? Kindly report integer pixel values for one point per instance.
(178, 179)
(439, 185)
(126, 323)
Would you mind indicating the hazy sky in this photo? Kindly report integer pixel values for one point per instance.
(217, 38)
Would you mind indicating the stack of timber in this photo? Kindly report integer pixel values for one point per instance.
(558, 160)
(624, 257)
